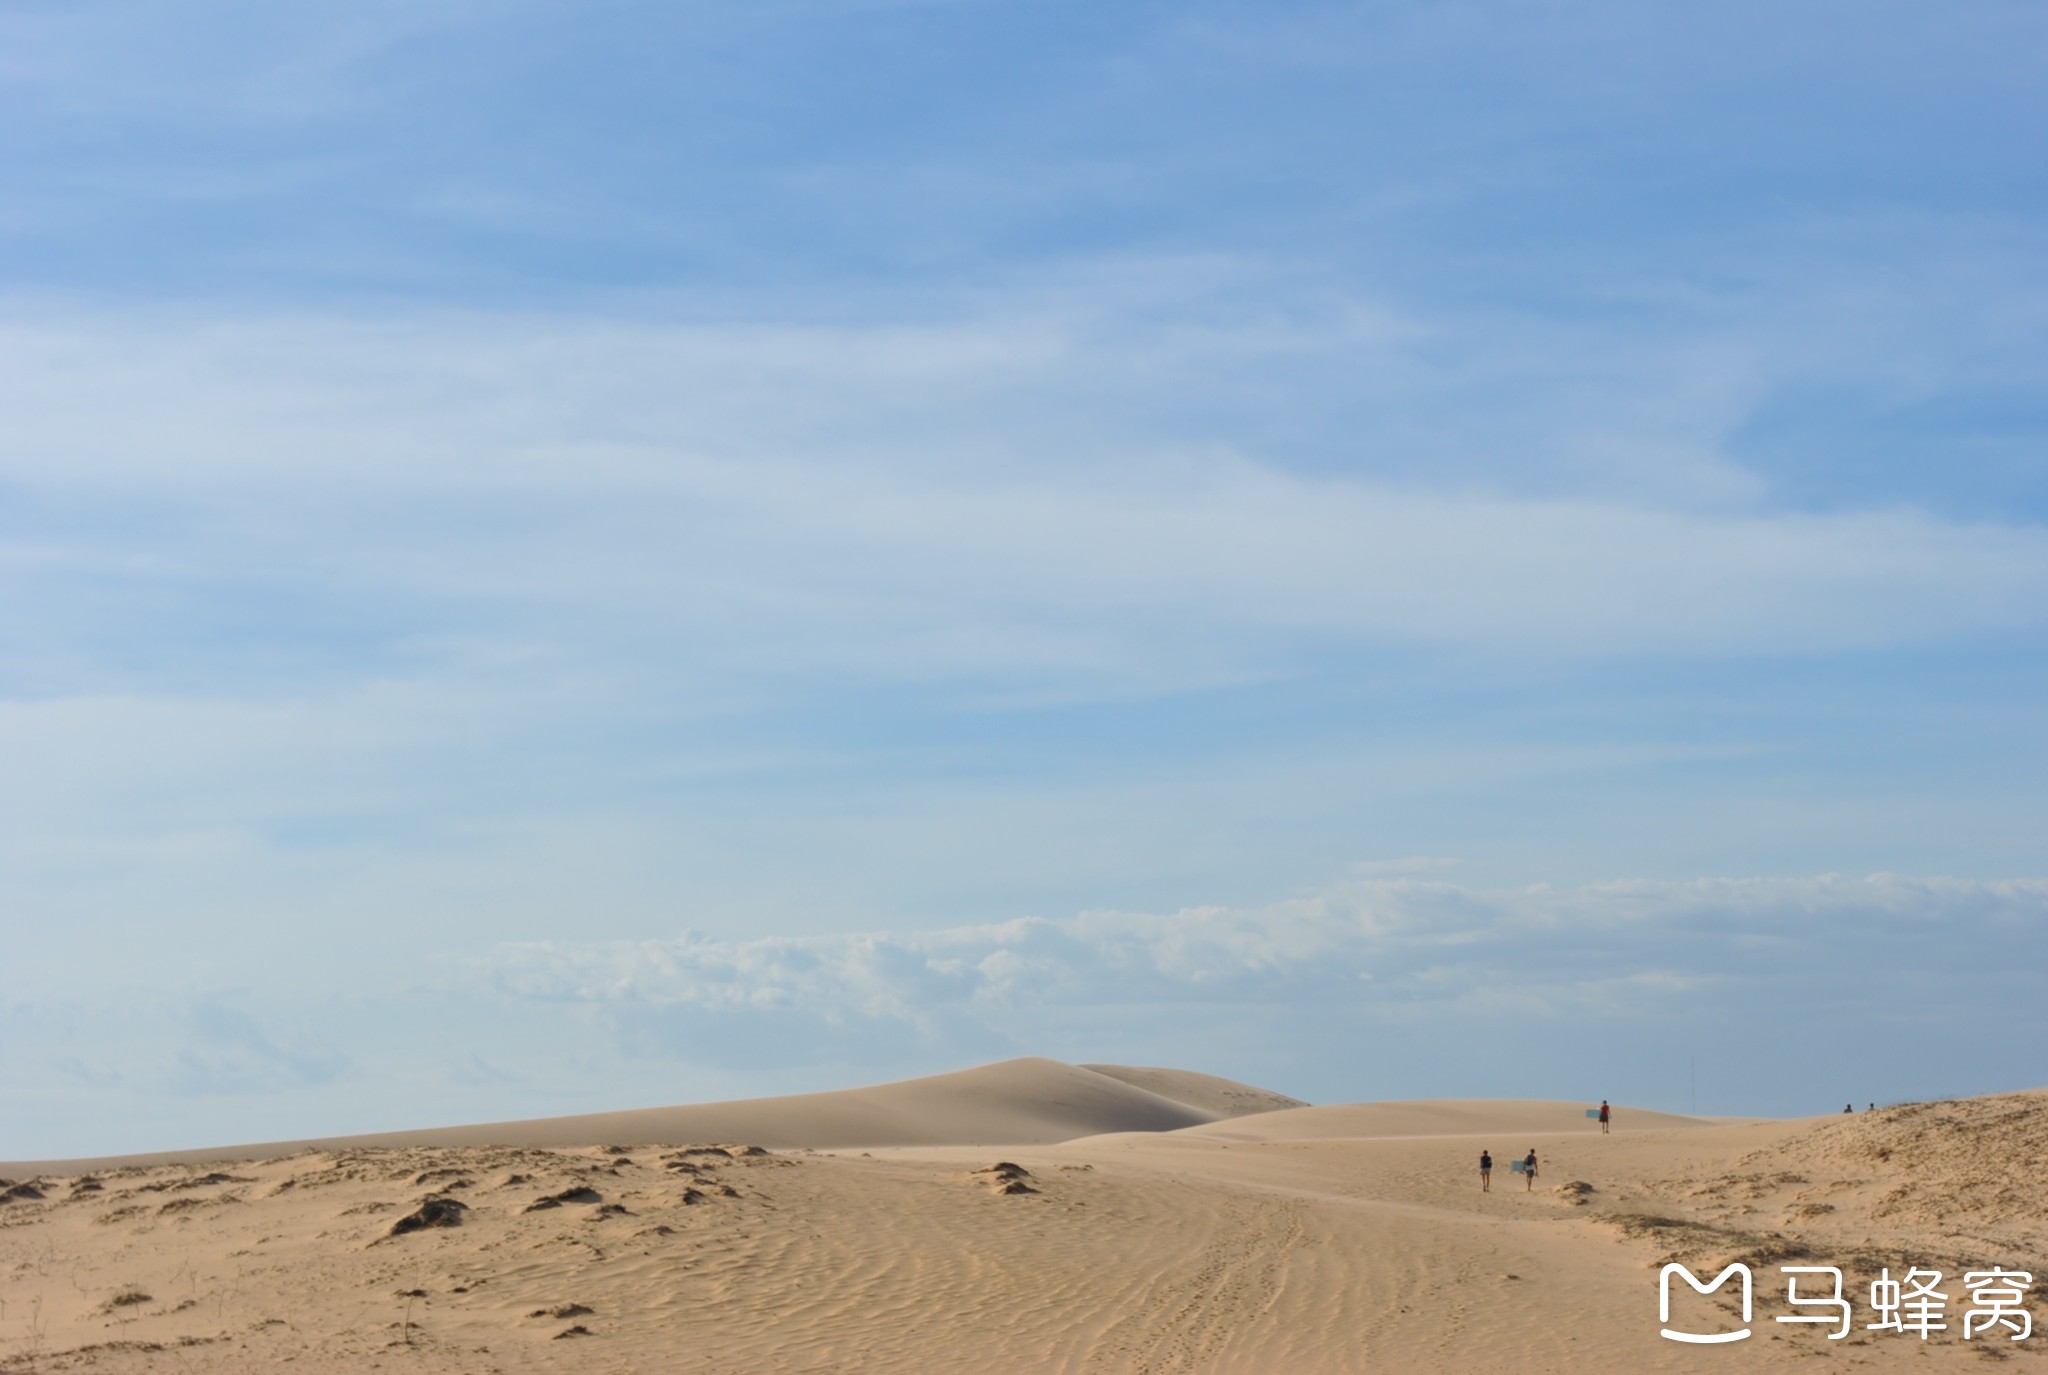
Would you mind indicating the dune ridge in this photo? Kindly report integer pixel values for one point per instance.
(1219, 1097)
(1027, 1101)
(1465, 1117)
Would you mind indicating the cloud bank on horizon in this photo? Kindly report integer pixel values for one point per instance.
(1752, 995)
(488, 488)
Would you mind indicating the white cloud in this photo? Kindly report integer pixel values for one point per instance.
(1411, 940)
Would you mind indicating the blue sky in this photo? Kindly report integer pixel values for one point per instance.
(558, 557)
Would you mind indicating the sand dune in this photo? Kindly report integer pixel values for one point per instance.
(1299, 1240)
(1220, 1098)
(1497, 1117)
(1963, 1177)
(1015, 1102)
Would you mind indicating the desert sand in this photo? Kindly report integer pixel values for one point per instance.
(1025, 1216)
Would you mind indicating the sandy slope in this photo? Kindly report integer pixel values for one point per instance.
(1498, 1117)
(1255, 1245)
(1220, 1098)
(1015, 1102)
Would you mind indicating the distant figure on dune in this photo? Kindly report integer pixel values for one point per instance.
(1529, 1169)
(1848, 1107)
(1485, 1172)
(1604, 1114)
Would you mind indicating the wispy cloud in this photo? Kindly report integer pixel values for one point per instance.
(657, 490)
(403, 616)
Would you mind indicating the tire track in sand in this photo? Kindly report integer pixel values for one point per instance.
(1185, 1317)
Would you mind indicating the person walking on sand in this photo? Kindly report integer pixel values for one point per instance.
(1603, 1117)
(1486, 1172)
(1529, 1170)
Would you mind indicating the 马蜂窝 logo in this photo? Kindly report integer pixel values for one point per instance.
(1703, 1338)
(1996, 1303)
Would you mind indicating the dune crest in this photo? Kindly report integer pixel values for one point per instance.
(1210, 1093)
(1445, 1117)
(1030, 1101)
